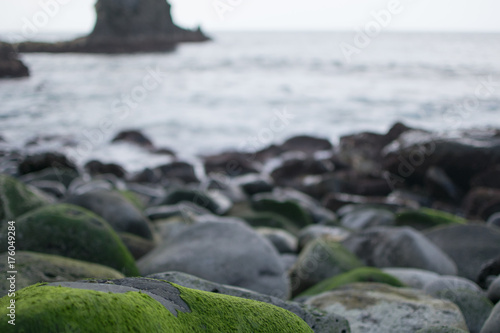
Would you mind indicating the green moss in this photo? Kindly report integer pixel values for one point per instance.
(39, 267)
(271, 220)
(16, 199)
(363, 274)
(61, 309)
(74, 232)
(288, 209)
(425, 218)
(133, 199)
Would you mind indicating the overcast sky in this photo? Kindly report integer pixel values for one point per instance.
(212, 15)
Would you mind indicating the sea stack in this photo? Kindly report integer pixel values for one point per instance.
(126, 26)
(10, 65)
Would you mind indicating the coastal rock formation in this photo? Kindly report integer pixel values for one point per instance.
(125, 26)
(10, 65)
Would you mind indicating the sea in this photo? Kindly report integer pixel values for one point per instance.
(246, 90)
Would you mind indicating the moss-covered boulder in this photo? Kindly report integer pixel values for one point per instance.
(363, 274)
(425, 218)
(286, 208)
(146, 306)
(271, 220)
(72, 232)
(16, 198)
(320, 260)
(39, 267)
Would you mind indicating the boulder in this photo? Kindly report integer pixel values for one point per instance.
(492, 324)
(292, 172)
(95, 168)
(494, 290)
(399, 247)
(192, 251)
(39, 267)
(306, 144)
(134, 137)
(125, 27)
(282, 240)
(142, 305)
(379, 308)
(10, 65)
(231, 164)
(73, 232)
(320, 260)
(178, 170)
(120, 213)
(470, 246)
(481, 203)
(16, 199)
(318, 321)
(41, 161)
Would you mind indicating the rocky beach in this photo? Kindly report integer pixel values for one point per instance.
(393, 232)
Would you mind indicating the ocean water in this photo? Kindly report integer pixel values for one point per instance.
(246, 90)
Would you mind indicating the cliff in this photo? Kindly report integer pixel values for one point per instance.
(125, 26)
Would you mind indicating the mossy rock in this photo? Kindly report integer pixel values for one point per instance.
(425, 218)
(133, 199)
(287, 208)
(73, 232)
(16, 199)
(321, 259)
(270, 220)
(363, 274)
(117, 308)
(39, 267)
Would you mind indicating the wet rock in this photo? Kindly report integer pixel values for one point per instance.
(98, 168)
(121, 214)
(315, 231)
(150, 194)
(231, 164)
(335, 201)
(17, 199)
(292, 171)
(214, 201)
(178, 170)
(366, 218)
(426, 218)
(470, 246)
(399, 247)
(319, 322)
(72, 232)
(255, 184)
(489, 271)
(494, 290)
(489, 178)
(306, 144)
(125, 27)
(53, 188)
(39, 267)
(38, 162)
(414, 278)
(319, 260)
(363, 274)
(144, 305)
(283, 241)
(440, 186)
(192, 251)
(373, 307)
(64, 176)
(287, 208)
(481, 203)
(492, 325)
(10, 65)
(183, 209)
(135, 137)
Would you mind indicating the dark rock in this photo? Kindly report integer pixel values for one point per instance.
(178, 171)
(481, 203)
(440, 186)
(306, 144)
(231, 164)
(240, 258)
(492, 325)
(214, 201)
(494, 220)
(124, 27)
(121, 214)
(72, 232)
(39, 267)
(489, 271)
(10, 65)
(151, 176)
(289, 209)
(318, 321)
(63, 176)
(283, 241)
(255, 184)
(292, 171)
(137, 246)
(135, 137)
(268, 153)
(98, 168)
(494, 290)
(399, 247)
(335, 201)
(182, 209)
(270, 220)
(55, 189)
(470, 246)
(43, 161)
(489, 178)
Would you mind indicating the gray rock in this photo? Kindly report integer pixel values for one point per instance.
(494, 220)
(470, 246)
(182, 209)
(318, 321)
(315, 231)
(414, 278)
(441, 329)
(492, 325)
(378, 308)
(450, 283)
(366, 218)
(223, 252)
(213, 200)
(282, 240)
(288, 260)
(399, 247)
(121, 214)
(494, 290)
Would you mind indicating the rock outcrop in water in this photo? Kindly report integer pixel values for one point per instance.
(125, 26)
(10, 65)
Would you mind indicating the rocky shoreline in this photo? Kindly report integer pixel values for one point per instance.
(394, 232)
